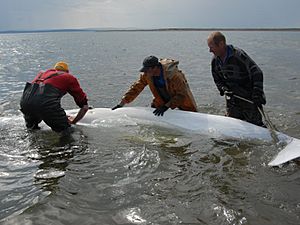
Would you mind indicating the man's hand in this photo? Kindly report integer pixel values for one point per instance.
(258, 98)
(160, 110)
(70, 119)
(81, 113)
(228, 93)
(120, 105)
(116, 107)
(225, 90)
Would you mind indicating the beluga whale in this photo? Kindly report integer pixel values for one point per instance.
(215, 126)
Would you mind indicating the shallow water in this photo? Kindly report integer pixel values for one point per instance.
(128, 173)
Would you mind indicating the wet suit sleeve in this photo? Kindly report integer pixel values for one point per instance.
(135, 89)
(219, 81)
(255, 73)
(256, 77)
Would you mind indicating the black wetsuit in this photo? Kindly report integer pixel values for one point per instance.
(239, 74)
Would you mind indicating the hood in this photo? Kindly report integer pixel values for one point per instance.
(169, 65)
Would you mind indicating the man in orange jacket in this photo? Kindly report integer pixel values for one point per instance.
(41, 99)
(167, 83)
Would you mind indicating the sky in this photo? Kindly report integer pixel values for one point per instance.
(148, 14)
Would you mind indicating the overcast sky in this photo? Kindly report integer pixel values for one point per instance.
(58, 14)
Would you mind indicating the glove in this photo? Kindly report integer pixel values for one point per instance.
(117, 106)
(225, 90)
(258, 98)
(160, 110)
(228, 93)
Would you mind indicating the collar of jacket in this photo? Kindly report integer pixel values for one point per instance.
(229, 52)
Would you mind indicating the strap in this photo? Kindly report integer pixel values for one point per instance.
(39, 76)
(50, 76)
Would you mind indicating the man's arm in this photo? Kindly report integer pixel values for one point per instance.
(256, 77)
(219, 81)
(81, 113)
(135, 89)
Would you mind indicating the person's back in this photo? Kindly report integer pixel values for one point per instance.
(177, 86)
(41, 98)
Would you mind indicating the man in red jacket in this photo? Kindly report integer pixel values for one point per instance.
(41, 99)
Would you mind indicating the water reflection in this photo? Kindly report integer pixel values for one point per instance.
(54, 152)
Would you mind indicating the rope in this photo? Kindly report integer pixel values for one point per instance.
(269, 125)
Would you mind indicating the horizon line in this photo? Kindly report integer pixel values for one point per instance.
(146, 29)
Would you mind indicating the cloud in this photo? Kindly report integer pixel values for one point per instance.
(31, 14)
(132, 13)
(51, 14)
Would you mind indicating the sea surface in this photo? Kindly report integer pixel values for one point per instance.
(141, 173)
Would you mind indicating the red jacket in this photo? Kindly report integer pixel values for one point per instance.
(64, 82)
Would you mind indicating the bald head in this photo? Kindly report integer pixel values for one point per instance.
(217, 37)
(217, 44)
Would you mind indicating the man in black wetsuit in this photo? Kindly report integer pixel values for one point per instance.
(236, 74)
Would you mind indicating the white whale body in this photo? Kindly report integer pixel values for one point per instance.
(201, 123)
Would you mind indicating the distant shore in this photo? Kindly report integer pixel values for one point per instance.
(155, 29)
